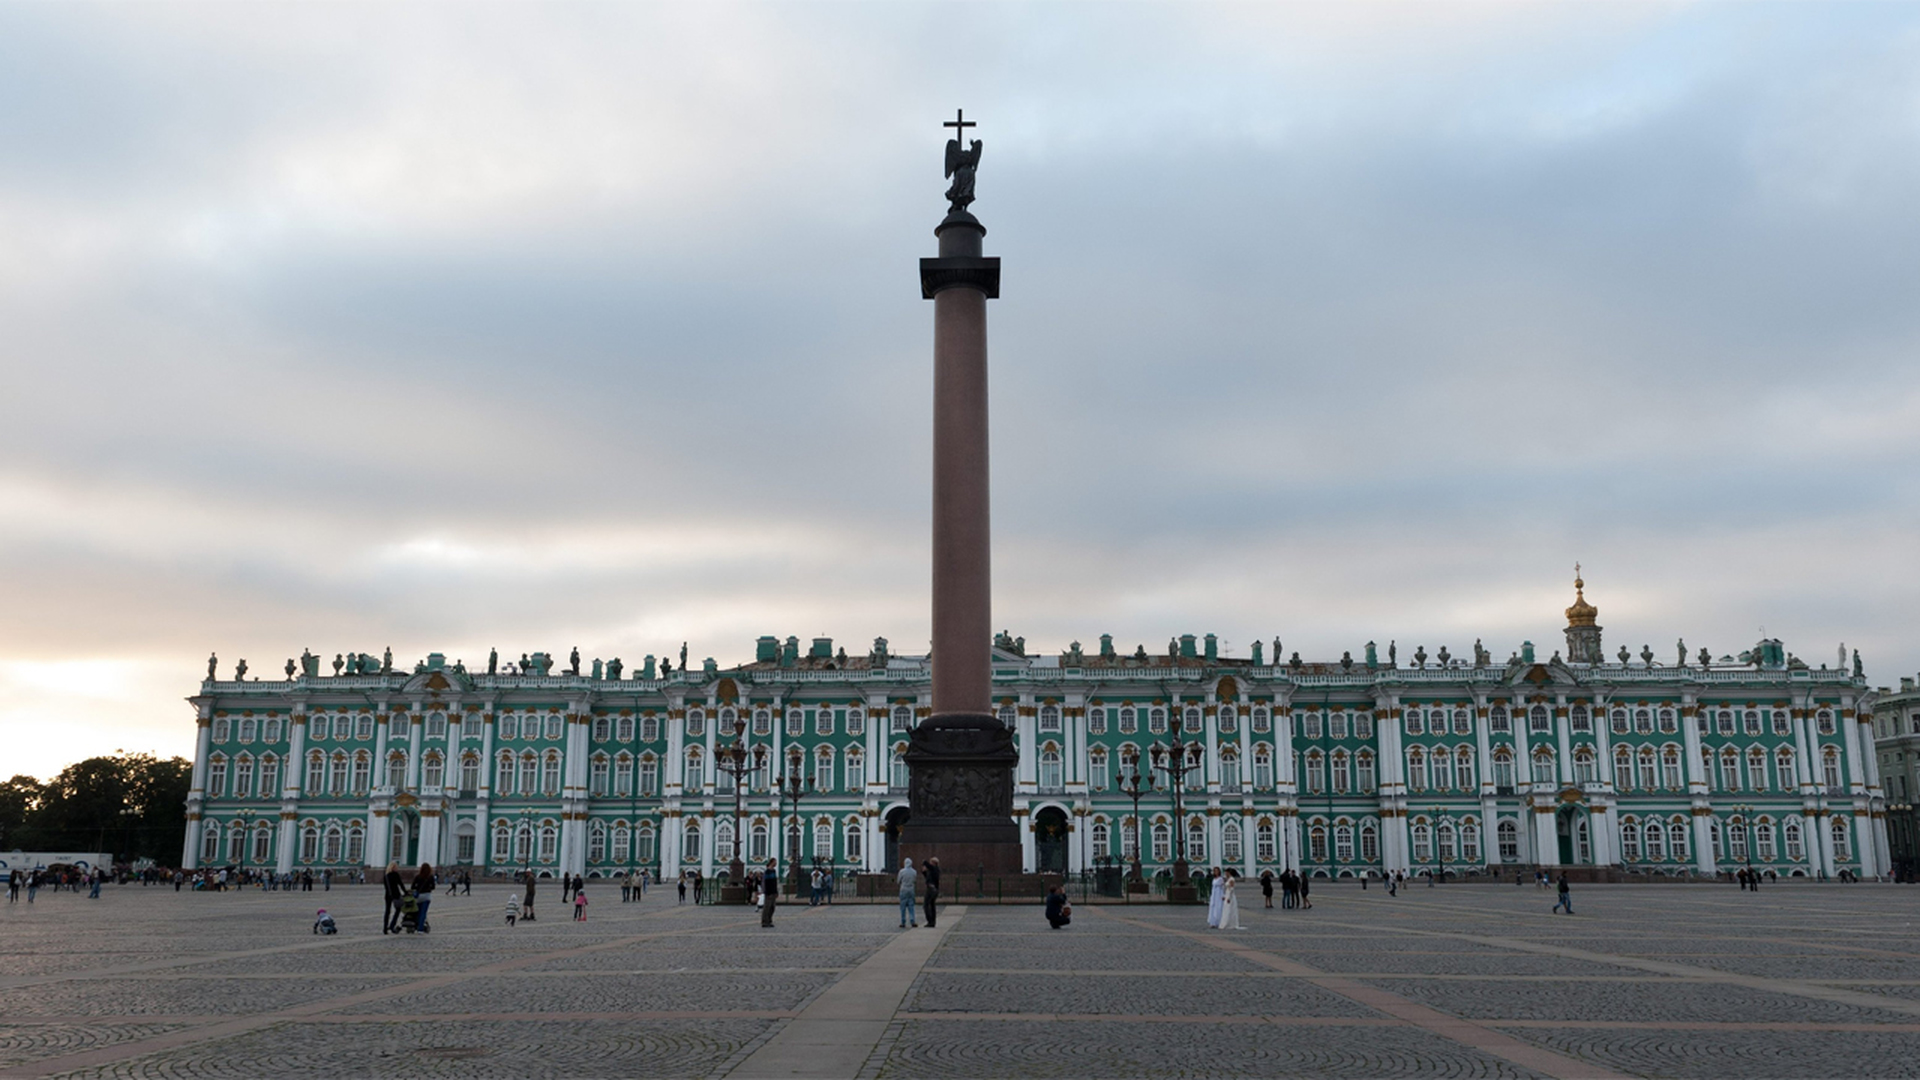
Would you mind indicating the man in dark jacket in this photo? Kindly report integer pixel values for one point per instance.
(769, 889)
(1057, 913)
(931, 872)
(395, 890)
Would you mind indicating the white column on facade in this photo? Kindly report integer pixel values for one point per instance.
(291, 777)
(1489, 806)
(483, 794)
(415, 736)
(1249, 842)
(1692, 713)
(197, 790)
(1564, 738)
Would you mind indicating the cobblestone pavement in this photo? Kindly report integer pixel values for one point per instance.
(1673, 981)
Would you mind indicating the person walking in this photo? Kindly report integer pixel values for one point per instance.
(1229, 902)
(526, 904)
(683, 888)
(1566, 897)
(395, 889)
(579, 904)
(907, 877)
(769, 892)
(1304, 902)
(933, 887)
(13, 887)
(423, 886)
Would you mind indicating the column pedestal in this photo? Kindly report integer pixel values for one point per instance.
(960, 791)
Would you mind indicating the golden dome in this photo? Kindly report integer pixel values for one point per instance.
(1581, 613)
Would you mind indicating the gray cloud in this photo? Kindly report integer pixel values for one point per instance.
(339, 328)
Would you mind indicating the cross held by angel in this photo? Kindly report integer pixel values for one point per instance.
(961, 162)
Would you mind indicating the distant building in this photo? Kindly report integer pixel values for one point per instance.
(1896, 725)
(1335, 768)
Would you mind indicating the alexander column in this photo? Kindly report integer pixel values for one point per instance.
(962, 758)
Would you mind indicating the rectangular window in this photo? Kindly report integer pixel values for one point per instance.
(1337, 725)
(1097, 722)
(1312, 726)
(1129, 721)
(1363, 726)
(823, 721)
(796, 723)
(856, 722)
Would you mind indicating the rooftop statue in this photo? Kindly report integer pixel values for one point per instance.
(339, 661)
(240, 672)
(493, 661)
(386, 660)
(213, 661)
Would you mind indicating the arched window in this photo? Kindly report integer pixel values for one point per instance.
(1422, 841)
(1416, 770)
(1643, 721)
(1262, 721)
(437, 725)
(1622, 768)
(550, 775)
(362, 771)
(243, 777)
(623, 774)
(1543, 771)
(1649, 774)
(1580, 719)
(852, 841)
(1757, 769)
(650, 728)
(729, 716)
(649, 776)
(433, 772)
(1445, 834)
(1668, 726)
(623, 729)
(1264, 848)
(1008, 717)
(1416, 722)
(856, 721)
(723, 841)
(1824, 721)
(1196, 769)
(1630, 840)
(1656, 842)
(523, 843)
(1343, 842)
(1470, 841)
(902, 718)
(823, 768)
(1783, 765)
(1538, 721)
(1442, 765)
(599, 771)
(647, 842)
(1098, 775)
(1197, 840)
(1157, 721)
(1050, 768)
(1583, 765)
(549, 841)
(1619, 721)
(596, 842)
(823, 839)
(602, 729)
(469, 772)
(1737, 840)
(1670, 774)
(1503, 770)
(509, 725)
(1162, 842)
(1790, 832)
(1763, 841)
(1508, 836)
(1730, 769)
(1363, 772)
(503, 773)
(1263, 767)
(1050, 718)
(1369, 842)
(1677, 845)
(694, 779)
(337, 773)
(1229, 720)
(1316, 772)
(217, 776)
(310, 843)
(622, 842)
(1842, 840)
(899, 775)
(1230, 772)
(1129, 721)
(502, 842)
(1462, 722)
(397, 769)
(757, 837)
(1498, 720)
(363, 728)
(1230, 851)
(316, 773)
(1830, 768)
(269, 776)
(1317, 843)
(823, 720)
(331, 843)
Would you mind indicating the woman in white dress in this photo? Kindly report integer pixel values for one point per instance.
(1229, 904)
(1214, 898)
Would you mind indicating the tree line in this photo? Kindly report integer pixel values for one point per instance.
(133, 805)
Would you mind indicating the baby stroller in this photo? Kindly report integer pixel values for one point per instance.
(323, 923)
(410, 913)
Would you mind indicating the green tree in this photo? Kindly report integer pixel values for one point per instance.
(129, 804)
(19, 797)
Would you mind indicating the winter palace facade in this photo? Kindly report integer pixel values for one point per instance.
(1334, 768)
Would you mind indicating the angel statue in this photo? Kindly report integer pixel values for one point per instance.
(960, 166)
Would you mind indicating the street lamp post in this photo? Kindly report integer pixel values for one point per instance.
(792, 788)
(1439, 849)
(245, 817)
(736, 760)
(1136, 787)
(526, 833)
(1172, 756)
(1746, 812)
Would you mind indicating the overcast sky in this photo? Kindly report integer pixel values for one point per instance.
(453, 326)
